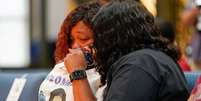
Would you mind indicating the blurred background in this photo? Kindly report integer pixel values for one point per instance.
(28, 29)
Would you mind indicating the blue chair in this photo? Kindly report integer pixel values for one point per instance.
(35, 78)
(30, 91)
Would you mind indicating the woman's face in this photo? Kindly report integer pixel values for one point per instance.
(82, 35)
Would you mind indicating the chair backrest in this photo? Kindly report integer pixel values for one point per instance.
(31, 87)
(191, 78)
(35, 77)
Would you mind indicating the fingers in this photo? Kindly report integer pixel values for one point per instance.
(77, 50)
(85, 49)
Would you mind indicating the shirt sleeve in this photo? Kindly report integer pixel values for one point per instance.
(132, 83)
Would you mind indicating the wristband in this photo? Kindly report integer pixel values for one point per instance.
(78, 75)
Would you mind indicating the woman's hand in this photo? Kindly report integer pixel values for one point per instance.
(75, 60)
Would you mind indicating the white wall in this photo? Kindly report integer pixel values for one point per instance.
(56, 12)
(14, 33)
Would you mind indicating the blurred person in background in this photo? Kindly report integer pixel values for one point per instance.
(75, 33)
(167, 30)
(192, 18)
(196, 92)
(135, 62)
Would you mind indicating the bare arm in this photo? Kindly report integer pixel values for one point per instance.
(81, 90)
(190, 98)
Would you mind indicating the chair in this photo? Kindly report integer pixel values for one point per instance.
(30, 90)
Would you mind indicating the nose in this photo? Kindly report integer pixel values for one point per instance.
(82, 44)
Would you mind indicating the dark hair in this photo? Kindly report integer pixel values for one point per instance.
(106, 1)
(81, 1)
(124, 26)
(84, 12)
(166, 28)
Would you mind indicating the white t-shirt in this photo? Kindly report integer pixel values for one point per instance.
(57, 85)
(99, 93)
